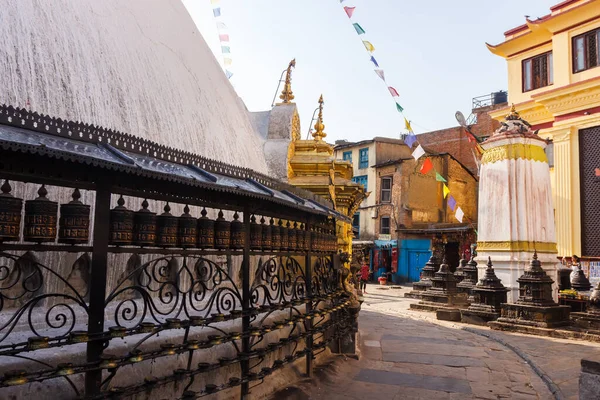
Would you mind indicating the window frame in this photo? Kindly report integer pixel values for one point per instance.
(358, 179)
(357, 226)
(362, 164)
(549, 71)
(388, 191)
(347, 153)
(389, 223)
(586, 60)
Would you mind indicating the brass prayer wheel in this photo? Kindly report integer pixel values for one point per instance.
(206, 231)
(255, 234)
(121, 224)
(237, 233)
(314, 239)
(144, 226)
(187, 229)
(10, 215)
(40, 218)
(222, 232)
(275, 235)
(266, 235)
(300, 237)
(74, 222)
(284, 236)
(291, 236)
(167, 228)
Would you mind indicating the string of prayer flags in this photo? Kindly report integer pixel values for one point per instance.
(381, 74)
(459, 214)
(399, 107)
(223, 38)
(451, 202)
(349, 11)
(393, 91)
(370, 48)
(427, 166)
(446, 190)
(374, 61)
(418, 152)
(410, 139)
(358, 28)
(407, 124)
(440, 178)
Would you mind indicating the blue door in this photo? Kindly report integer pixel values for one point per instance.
(416, 262)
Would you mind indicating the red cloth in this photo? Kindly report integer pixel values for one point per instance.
(364, 272)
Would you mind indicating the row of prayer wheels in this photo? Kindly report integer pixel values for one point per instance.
(145, 228)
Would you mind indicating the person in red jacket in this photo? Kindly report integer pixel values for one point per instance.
(364, 277)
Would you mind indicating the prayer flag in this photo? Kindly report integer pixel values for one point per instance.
(451, 202)
(224, 38)
(217, 12)
(446, 190)
(399, 107)
(440, 178)
(349, 11)
(358, 28)
(370, 48)
(427, 166)
(393, 91)
(221, 26)
(227, 61)
(225, 49)
(459, 214)
(476, 233)
(418, 152)
(374, 61)
(380, 73)
(410, 139)
(228, 74)
(407, 125)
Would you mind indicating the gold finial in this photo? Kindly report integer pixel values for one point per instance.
(318, 134)
(287, 95)
(513, 113)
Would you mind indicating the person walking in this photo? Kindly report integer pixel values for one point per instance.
(364, 277)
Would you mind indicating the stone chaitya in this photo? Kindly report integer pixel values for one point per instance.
(535, 306)
(578, 279)
(470, 276)
(442, 293)
(459, 274)
(424, 283)
(489, 294)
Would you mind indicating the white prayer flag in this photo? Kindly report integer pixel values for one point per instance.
(459, 214)
(418, 152)
(380, 73)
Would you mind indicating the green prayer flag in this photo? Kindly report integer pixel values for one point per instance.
(358, 28)
(399, 107)
(439, 178)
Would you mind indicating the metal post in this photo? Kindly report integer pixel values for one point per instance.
(246, 305)
(93, 379)
(309, 305)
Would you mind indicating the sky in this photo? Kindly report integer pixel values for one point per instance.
(432, 51)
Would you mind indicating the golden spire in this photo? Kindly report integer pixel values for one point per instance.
(318, 134)
(286, 94)
(513, 113)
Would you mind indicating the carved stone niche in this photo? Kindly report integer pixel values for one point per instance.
(21, 280)
(79, 277)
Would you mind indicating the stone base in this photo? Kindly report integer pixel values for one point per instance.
(414, 294)
(589, 380)
(421, 286)
(448, 314)
(528, 315)
(586, 320)
(478, 317)
(433, 301)
(566, 333)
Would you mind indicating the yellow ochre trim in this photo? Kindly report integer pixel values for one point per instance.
(541, 247)
(514, 152)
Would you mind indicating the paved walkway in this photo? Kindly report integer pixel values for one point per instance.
(410, 355)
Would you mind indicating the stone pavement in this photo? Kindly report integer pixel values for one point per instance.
(410, 355)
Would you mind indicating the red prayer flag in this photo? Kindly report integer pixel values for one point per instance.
(349, 11)
(224, 38)
(427, 166)
(393, 91)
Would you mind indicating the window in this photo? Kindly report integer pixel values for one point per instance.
(586, 52)
(550, 154)
(356, 223)
(386, 189)
(538, 72)
(347, 156)
(362, 179)
(385, 226)
(363, 158)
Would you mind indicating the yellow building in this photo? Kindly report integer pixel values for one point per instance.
(554, 82)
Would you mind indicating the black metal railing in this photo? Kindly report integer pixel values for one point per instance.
(491, 99)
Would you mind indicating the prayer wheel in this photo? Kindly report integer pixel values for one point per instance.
(121, 225)
(187, 229)
(291, 229)
(237, 233)
(206, 231)
(40, 218)
(167, 228)
(266, 235)
(144, 226)
(255, 234)
(275, 235)
(222, 232)
(10, 215)
(284, 236)
(74, 223)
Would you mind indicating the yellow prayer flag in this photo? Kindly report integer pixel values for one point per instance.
(407, 125)
(370, 48)
(446, 191)
(214, 1)
(227, 61)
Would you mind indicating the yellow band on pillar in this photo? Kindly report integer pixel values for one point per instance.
(541, 247)
(513, 152)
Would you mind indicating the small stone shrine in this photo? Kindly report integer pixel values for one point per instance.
(591, 318)
(427, 273)
(459, 274)
(579, 281)
(442, 293)
(489, 294)
(535, 306)
(470, 278)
